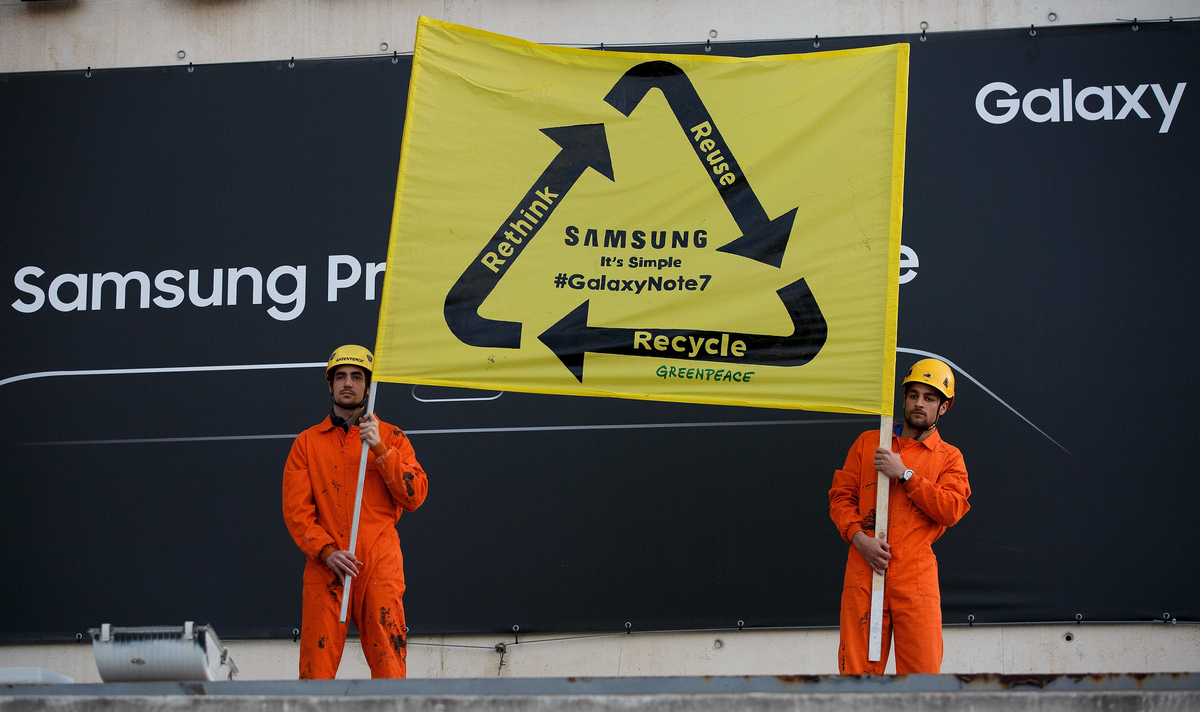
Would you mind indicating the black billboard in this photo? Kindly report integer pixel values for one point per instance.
(183, 247)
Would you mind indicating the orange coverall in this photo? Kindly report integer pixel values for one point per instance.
(934, 498)
(319, 482)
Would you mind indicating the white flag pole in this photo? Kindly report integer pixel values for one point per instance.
(882, 492)
(358, 494)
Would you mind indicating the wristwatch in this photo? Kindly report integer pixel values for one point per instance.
(906, 477)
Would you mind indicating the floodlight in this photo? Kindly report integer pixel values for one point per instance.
(160, 653)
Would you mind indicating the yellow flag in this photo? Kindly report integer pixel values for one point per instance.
(682, 228)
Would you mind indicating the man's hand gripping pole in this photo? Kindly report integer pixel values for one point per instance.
(882, 492)
(358, 493)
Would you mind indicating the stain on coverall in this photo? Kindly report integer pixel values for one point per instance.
(319, 482)
(919, 512)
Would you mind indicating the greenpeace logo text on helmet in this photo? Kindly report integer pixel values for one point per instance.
(350, 355)
(997, 103)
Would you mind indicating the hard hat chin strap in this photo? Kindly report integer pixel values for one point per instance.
(946, 402)
(361, 403)
(936, 417)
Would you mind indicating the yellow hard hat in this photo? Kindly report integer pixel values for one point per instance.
(932, 372)
(349, 355)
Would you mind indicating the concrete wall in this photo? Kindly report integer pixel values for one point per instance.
(1010, 650)
(74, 34)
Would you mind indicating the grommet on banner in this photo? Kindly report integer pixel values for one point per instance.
(741, 624)
(707, 45)
(1032, 32)
(516, 638)
(601, 46)
(190, 68)
(922, 35)
(395, 57)
(1135, 27)
(295, 635)
(1078, 617)
(924, 26)
(628, 627)
(88, 73)
(502, 649)
(291, 63)
(79, 637)
(971, 620)
(817, 41)
(406, 630)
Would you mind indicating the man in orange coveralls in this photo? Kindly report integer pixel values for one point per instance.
(929, 492)
(319, 482)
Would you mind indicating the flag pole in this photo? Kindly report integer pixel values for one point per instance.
(882, 492)
(358, 494)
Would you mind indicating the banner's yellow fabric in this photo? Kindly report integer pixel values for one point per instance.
(683, 228)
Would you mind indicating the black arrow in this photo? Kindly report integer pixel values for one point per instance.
(571, 337)
(762, 239)
(584, 146)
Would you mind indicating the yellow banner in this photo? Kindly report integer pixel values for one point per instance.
(669, 227)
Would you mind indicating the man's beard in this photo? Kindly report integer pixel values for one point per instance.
(355, 402)
(923, 425)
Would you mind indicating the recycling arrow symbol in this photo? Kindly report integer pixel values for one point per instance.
(571, 337)
(762, 239)
(585, 146)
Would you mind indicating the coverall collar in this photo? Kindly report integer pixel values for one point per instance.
(334, 420)
(930, 440)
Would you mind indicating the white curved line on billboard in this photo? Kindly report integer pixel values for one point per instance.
(460, 431)
(165, 369)
(972, 379)
(454, 400)
(201, 369)
(322, 364)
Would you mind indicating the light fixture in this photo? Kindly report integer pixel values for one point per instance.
(160, 653)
